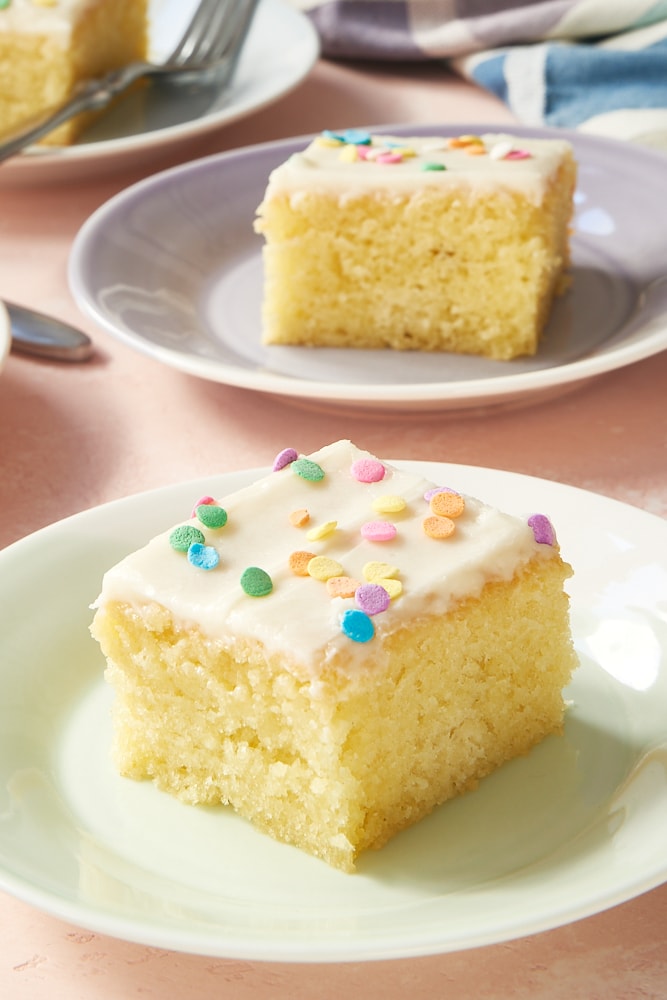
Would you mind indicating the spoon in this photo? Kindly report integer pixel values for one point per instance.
(44, 336)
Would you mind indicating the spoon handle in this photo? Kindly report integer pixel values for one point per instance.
(44, 336)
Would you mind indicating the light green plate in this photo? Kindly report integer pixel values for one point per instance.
(576, 826)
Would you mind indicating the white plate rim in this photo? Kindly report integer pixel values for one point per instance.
(286, 948)
(498, 390)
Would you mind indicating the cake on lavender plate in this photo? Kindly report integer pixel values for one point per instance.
(336, 649)
(426, 243)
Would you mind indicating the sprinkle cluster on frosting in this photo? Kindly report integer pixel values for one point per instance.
(380, 584)
(358, 145)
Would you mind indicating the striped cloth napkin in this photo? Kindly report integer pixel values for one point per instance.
(595, 65)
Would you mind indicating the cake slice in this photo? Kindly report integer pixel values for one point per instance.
(426, 243)
(47, 47)
(335, 650)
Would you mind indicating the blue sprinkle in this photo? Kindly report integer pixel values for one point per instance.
(353, 136)
(203, 556)
(357, 625)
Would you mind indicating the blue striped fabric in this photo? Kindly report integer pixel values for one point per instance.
(596, 65)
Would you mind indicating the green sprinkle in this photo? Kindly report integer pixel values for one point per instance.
(4, 4)
(256, 582)
(433, 166)
(211, 515)
(182, 537)
(308, 470)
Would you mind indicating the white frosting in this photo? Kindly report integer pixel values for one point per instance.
(298, 619)
(325, 169)
(54, 18)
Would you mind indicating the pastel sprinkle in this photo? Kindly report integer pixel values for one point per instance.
(283, 458)
(322, 568)
(321, 531)
(543, 529)
(393, 587)
(389, 504)
(211, 515)
(375, 571)
(388, 158)
(518, 154)
(436, 489)
(203, 556)
(184, 536)
(202, 500)
(357, 625)
(432, 165)
(298, 562)
(342, 586)
(447, 504)
(355, 136)
(308, 470)
(500, 150)
(299, 517)
(367, 470)
(438, 527)
(372, 598)
(348, 154)
(327, 142)
(256, 582)
(378, 531)
(473, 149)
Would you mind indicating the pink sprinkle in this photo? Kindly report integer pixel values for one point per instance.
(206, 501)
(372, 598)
(367, 470)
(518, 154)
(378, 531)
(283, 458)
(542, 529)
(362, 152)
(389, 158)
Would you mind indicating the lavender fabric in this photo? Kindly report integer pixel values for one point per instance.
(591, 64)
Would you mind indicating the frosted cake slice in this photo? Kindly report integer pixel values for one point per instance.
(427, 243)
(336, 649)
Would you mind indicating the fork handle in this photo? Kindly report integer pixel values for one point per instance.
(90, 96)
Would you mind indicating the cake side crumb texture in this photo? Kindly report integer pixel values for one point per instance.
(338, 745)
(466, 258)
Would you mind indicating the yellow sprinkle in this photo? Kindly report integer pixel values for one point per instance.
(348, 154)
(374, 572)
(299, 517)
(447, 504)
(342, 586)
(327, 143)
(474, 150)
(45, 3)
(389, 504)
(407, 151)
(298, 562)
(321, 531)
(393, 587)
(322, 568)
(438, 527)
(461, 141)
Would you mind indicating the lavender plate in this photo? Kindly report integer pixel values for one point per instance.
(172, 267)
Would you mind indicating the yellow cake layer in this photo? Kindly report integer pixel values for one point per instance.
(39, 72)
(435, 270)
(343, 765)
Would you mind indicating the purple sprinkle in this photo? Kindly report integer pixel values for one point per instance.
(283, 458)
(372, 598)
(438, 489)
(542, 529)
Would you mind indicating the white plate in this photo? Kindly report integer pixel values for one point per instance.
(576, 826)
(173, 268)
(281, 49)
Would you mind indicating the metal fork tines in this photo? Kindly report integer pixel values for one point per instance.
(209, 48)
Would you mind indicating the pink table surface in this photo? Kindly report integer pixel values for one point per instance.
(72, 437)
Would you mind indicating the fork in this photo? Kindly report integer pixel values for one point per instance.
(208, 50)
